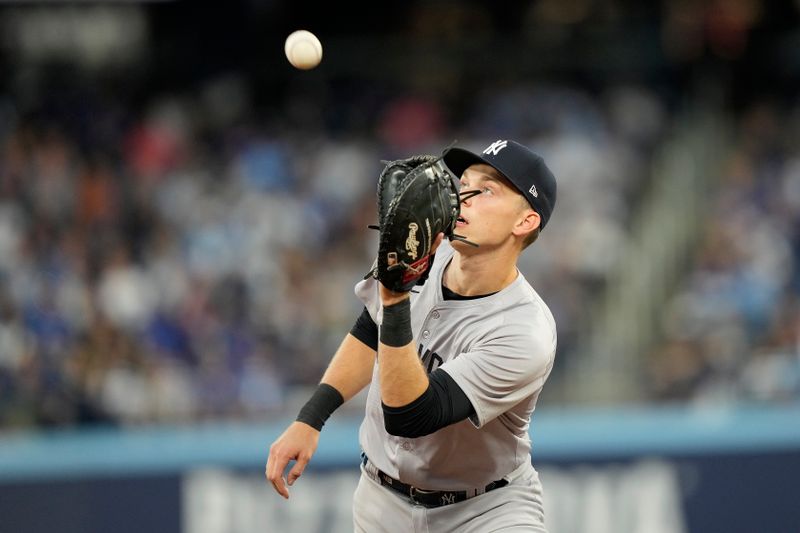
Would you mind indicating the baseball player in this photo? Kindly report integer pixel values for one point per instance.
(455, 366)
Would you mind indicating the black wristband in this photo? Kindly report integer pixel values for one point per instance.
(396, 326)
(325, 400)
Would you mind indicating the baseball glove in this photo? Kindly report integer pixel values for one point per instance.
(417, 200)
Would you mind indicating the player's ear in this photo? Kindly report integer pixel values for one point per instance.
(527, 222)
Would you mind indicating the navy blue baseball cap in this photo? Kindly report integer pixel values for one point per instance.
(525, 169)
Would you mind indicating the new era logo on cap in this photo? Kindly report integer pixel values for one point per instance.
(525, 169)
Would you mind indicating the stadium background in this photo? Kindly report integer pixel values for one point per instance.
(183, 216)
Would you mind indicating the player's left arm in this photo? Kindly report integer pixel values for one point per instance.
(402, 377)
(414, 403)
(443, 403)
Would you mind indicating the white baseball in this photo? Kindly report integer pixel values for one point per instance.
(303, 49)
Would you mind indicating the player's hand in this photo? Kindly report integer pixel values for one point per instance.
(298, 443)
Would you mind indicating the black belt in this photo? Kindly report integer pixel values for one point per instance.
(427, 498)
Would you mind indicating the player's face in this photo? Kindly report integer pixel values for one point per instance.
(489, 218)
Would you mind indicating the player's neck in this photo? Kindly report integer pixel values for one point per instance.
(479, 273)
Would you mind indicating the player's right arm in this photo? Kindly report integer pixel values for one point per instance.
(348, 373)
(351, 368)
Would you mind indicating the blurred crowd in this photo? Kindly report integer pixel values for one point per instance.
(178, 262)
(181, 260)
(732, 330)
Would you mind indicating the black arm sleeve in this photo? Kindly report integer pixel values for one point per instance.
(366, 330)
(443, 403)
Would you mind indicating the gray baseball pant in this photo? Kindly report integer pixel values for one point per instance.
(515, 508)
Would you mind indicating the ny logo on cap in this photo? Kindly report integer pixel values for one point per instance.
(495, 147)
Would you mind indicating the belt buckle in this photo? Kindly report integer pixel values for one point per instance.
(412, 494)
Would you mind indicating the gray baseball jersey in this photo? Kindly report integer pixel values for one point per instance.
(499, 349)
